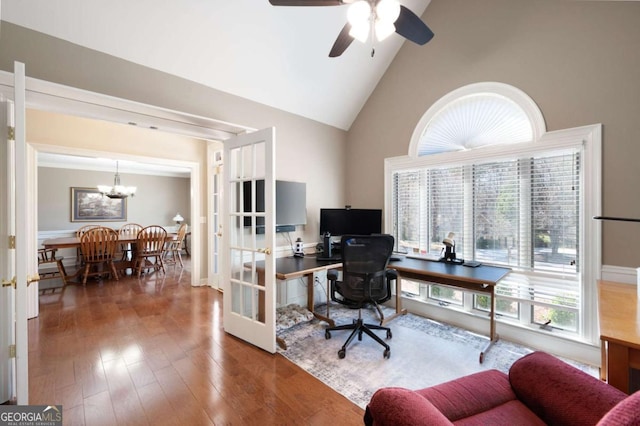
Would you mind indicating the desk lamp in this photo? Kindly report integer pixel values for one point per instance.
(450, 249)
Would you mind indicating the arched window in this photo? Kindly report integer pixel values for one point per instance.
(477, 115)
(481, 165)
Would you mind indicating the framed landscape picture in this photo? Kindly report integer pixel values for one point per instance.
(89, 205)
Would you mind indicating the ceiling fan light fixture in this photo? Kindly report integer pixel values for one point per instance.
(384, 29)
(360, 31)
(359, 13)
(388, 11)
(379, 18)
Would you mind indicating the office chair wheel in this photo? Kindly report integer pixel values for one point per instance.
(389, 336)
(327, 334)
(387, 353)
(342, 353)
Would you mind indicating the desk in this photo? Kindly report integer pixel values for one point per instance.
(619, 316)
(481, 279)
(288, 268)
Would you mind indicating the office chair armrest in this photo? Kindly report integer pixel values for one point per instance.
(332, 275)
(392, 274)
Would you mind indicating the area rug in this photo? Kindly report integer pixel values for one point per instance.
(423, 353)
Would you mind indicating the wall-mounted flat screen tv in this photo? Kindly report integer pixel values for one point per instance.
(291, 204)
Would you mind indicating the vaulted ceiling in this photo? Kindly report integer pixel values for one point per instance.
(276, 56)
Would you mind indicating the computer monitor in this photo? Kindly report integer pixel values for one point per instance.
(350, 221)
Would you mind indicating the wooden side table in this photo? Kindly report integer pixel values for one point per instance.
(619, 315)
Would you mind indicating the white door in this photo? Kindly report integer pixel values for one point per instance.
(14, 245)
(249, 229)
(216, 209)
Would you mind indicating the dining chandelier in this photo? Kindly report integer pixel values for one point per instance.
(117, 191)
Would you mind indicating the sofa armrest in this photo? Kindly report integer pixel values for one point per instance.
(559, 393)
(402, 407)
(626, 413)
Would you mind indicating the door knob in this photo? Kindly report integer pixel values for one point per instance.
(264, 250)
(31, 279)
(11, 283)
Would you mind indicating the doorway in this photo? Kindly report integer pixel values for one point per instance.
(45, 96)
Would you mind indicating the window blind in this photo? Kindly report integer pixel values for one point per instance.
(522, 212)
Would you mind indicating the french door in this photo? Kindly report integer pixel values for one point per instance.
(15, 247)
(249, 263)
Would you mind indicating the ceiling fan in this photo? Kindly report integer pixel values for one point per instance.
(378, 18)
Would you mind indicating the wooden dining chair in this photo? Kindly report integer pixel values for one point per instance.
(98, 246)
(50, 266)
(126, 251)
(79, 233)
(150, 248)
(174, 247)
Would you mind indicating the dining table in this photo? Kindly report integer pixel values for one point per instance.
(74, 242)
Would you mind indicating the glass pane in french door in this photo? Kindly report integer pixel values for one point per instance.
(246, 241)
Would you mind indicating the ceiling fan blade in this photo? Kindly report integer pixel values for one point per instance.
(411, 27)
(342, 42)
(306, 2)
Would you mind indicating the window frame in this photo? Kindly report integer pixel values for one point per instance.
(588, 138)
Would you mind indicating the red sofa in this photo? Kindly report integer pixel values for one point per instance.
(539, 389)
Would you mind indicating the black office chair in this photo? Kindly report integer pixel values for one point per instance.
(365, 280)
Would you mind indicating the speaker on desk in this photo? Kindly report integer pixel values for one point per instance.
(326, 245)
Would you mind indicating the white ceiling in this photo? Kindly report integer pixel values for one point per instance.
(276, 56)
(60, 161)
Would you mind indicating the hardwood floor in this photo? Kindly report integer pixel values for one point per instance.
(153, 351)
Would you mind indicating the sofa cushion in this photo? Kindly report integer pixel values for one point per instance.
(626, 413)
(560, 393)
(510, 413)
(470, 395)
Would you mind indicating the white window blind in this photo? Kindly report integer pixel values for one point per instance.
(428, 204)
(522, 213)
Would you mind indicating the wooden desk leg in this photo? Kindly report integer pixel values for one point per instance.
(603, 360)
(310, 303)
(493, 337)
(399, 310)
(618, 366)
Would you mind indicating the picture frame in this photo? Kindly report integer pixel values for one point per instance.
(89, 205)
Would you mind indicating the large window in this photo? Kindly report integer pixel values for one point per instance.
(481, 166)
(522, 213)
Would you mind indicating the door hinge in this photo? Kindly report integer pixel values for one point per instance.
(12, 242)
(11, 134)
(12, 351)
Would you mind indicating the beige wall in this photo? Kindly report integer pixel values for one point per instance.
(578, 60)
(156, 202)
(306, 151)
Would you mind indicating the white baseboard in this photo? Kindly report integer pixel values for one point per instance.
(619, 274)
